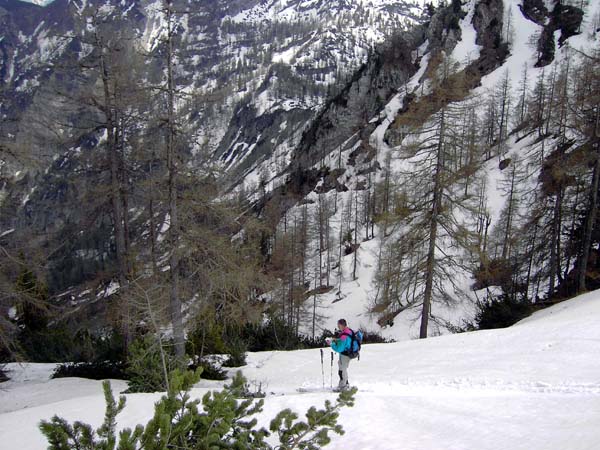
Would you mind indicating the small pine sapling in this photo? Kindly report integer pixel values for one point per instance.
(314, 433)
(224, 421)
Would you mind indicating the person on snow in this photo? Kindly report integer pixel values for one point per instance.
(342, 345)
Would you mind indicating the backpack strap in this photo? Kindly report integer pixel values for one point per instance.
(352, 336)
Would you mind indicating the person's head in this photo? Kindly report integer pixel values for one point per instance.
(341, 324)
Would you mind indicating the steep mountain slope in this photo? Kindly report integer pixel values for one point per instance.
(533, 386)
(39, 2)
(345, 173)
(253, 75)
(337, 164)
(248, 64)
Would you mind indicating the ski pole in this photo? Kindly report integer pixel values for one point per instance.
(331, 373)
(322, 369)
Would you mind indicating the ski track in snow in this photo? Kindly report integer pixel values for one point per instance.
(533, 386)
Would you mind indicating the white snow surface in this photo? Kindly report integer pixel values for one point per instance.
(533, 386)
(38, 2)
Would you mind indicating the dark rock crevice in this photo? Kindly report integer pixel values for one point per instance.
(458, 85)
(564, 18)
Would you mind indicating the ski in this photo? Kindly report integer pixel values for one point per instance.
(307, 390)
(315, 389)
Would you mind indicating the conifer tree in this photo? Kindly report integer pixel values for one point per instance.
(438, 233)
(219, 420)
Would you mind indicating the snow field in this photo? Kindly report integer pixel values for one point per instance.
(533, 386)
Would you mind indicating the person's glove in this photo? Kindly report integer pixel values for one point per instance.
(328, 341)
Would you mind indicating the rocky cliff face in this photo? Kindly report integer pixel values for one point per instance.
(249, 64)
(552, 17)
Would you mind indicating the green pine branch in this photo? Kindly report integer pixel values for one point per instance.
(220, 420)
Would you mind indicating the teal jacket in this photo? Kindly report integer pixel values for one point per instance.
(342, 344)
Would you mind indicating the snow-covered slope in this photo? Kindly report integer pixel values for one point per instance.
(533, 386)
(267, 58)
(38, 2)
(358, 173)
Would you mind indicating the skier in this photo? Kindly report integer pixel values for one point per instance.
(341, 345)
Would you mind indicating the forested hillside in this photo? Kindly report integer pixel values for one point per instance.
(471, 198)
(238, 176)
(125, 128)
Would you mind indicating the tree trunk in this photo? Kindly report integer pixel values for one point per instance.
(175, 301)
(433, 223)
(124, 191)
(368, 217)
(507, 231)
(115, 182)
(314, 317)
(555, 243)
(589, 225)
(530, 262)
(355, 235)
(290, 318)
(321, 235)
(328, 243)
(152, 226)
(152, 219)
(340, 271)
